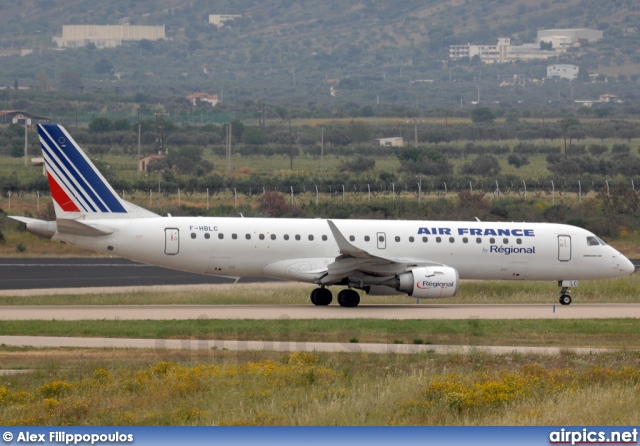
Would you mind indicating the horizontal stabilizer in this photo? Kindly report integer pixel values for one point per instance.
(74, 227)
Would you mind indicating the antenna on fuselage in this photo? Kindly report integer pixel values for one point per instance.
(240, 214)
(477, 219)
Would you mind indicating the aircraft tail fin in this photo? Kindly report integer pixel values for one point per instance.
(77, 187)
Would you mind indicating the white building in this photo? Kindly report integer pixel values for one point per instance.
(203, 97)
(106, 36)
(391, 142)
(562, 71)
(503, 52)
(564, 38)
(219, 19)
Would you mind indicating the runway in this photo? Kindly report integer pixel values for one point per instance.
(188, 344)
(91, 272)
(283, 312)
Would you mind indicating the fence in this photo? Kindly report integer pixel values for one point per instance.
(550, 190)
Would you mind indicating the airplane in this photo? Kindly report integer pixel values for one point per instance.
(419, 259)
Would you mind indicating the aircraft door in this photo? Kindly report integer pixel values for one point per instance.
(564, 248)
(382, 240)
(171, 241)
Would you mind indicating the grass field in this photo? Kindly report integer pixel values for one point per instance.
(98, 387)
(593, 333)
(622, 290)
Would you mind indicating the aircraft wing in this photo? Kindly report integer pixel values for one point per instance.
(357, 263)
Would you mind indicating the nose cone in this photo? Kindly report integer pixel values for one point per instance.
(627, 266)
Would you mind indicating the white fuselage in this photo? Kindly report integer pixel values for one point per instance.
(301, 249)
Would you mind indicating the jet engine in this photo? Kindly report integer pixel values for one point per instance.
(427, 282)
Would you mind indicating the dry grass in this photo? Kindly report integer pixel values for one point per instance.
(623, 290)
(99, 387)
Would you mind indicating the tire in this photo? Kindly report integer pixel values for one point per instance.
(565, 299)
(323, 296)
(348, 298)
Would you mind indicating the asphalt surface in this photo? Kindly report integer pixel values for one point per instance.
(26, 273)
(287, 312)
(22, 274)
(204, 344)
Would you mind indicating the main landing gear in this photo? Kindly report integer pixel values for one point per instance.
(346, 298)
(321, 296)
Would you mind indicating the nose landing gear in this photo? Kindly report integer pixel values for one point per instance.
(565, 298)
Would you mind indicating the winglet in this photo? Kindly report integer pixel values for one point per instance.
(345, 247)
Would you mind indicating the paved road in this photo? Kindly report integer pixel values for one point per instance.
(284, 312)
(20, 274)
(187, 344)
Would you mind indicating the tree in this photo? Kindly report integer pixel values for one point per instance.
(70, 80)
(482, 114)
(518, 160)
(485, 165)
(546, 46)
(255, 136)
(100, 125)
(103, 66)
(359, 131)
(359, 165)
(565, 125)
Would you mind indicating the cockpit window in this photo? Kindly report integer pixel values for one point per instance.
(593, 241)
(602, 242)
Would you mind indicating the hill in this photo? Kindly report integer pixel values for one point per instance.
(283, 52)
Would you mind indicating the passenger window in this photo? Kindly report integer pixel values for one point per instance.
(352, 238)
(465, 240)
(193, 235)
(505, 241)
(310, 237)
(397, 238)
(297, 237)
(478, 240)
(411, 239)
(261, 236)
(451, 240)
(519, 241)
(248, 236)
(592, 241)
(286, 236)
(207, 236)
(221, 236)
(492, 241)
(367, 238)
(425, 239)
(234, 236)
(381, 239)
(324, 238)
(438, 239)
(273, 236)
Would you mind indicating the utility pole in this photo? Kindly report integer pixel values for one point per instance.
(322, 150)
(229, 134)
(26, 139)
(415, 132)
(159, 132)
(290, 147)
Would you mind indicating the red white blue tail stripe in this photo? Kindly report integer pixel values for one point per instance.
(76, 185)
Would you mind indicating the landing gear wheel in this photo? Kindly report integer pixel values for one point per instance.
(321, 296)
(565, 299)
(348, 298)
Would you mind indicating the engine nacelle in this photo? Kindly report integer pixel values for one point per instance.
(429, 282)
